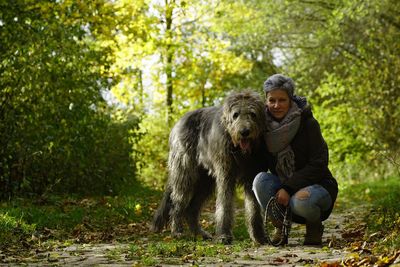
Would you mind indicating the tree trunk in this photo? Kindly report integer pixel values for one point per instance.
(139, 74)
(169, 53)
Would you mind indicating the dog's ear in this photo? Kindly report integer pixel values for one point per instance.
(262, 114)
(225, 116)
(257, 103)
(226, 111)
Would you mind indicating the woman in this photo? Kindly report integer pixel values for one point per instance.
(298, 160)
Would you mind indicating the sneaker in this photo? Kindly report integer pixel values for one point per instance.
(314, 232)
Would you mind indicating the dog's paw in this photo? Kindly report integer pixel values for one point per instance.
(224, 239)
(176, 234)
(155, 228)
(259, 241)
(205, 235)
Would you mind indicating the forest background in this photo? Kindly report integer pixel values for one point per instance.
(89, 90)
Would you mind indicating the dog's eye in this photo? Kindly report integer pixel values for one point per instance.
(253, 115)
(235, 115)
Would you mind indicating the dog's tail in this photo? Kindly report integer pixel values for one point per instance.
(161, 216)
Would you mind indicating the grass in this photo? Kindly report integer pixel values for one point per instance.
(382, 198)
(64, 217)
(11, 226)
(114, 255)
(181, 251)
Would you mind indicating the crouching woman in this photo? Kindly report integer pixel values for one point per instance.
(298, 161)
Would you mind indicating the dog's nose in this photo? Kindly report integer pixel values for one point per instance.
(245, 132)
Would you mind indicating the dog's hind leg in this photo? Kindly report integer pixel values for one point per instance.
(176, 220)
(253, 215)
(180, 203)
(203, 190)
(182, 192)
(161, 216)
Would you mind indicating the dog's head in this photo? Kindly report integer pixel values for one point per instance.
(243, 117)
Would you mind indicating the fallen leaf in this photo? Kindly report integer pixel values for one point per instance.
(330, 264)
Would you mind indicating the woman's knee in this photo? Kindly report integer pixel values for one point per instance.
(300, 201)
(309, 202)
(264, 186)
(302, 205)
(262, 179)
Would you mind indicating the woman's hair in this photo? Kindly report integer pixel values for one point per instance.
(279, 81)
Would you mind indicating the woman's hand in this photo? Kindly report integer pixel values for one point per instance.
(282, 197)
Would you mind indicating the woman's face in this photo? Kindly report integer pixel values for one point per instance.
(278, 103)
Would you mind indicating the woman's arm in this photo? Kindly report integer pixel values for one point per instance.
(316, 163)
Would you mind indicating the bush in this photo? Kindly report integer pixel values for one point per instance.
(56, 132)
(91, 155)
(153, 147)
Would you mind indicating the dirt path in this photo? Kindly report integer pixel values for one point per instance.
(294, 254)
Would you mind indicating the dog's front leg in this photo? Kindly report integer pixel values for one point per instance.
(224, 209)
(253, 216)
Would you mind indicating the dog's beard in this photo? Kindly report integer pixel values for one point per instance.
(246, 144)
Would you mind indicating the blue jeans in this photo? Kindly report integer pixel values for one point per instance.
(308, 202)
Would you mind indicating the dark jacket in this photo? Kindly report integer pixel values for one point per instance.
(311, 160)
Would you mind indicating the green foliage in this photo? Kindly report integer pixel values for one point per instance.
(381, 197)
(153, 149)
(13, 228)
(56, 134)
(240, 44)
(341, 130)
(343, 55)
(192, 55)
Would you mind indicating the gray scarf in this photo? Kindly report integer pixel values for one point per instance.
(278, 138)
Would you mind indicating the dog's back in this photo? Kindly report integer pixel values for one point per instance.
(192, 129)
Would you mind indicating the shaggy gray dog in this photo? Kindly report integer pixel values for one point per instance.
(215, 147)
